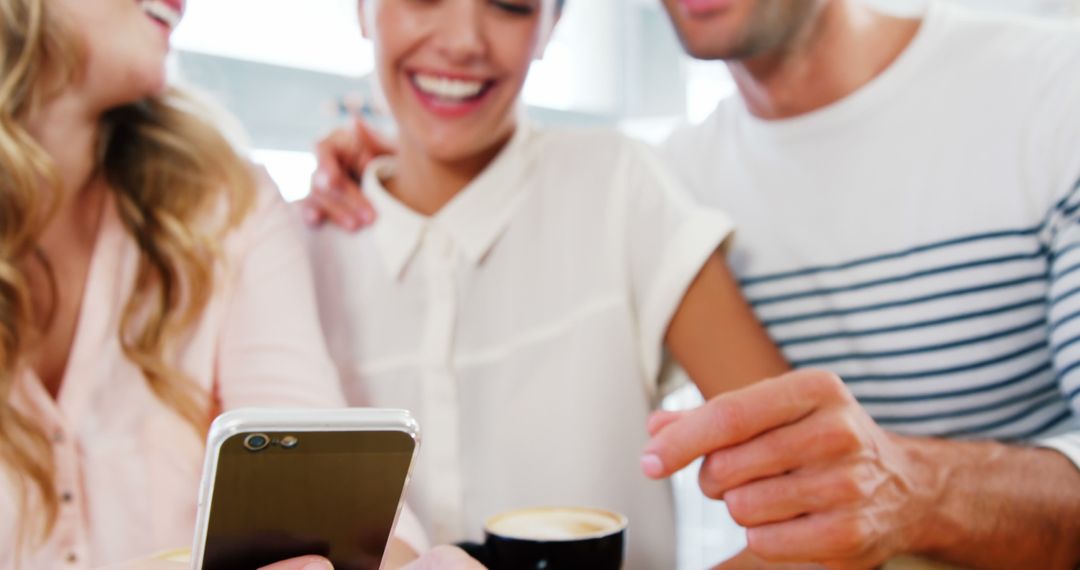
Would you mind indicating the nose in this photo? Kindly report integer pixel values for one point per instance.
(460, 31)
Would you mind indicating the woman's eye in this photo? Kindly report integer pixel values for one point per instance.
(516, 8)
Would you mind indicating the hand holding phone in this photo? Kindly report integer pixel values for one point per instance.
(278, 484)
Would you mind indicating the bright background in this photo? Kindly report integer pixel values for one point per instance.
(283, 67)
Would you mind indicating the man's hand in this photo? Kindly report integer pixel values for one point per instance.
(813, 479)
(804, 468)
(336, 195)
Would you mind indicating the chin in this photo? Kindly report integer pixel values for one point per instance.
(158, 89)
(152, 85)
(137, 86)
(713, 49)
(712, 54)
(699, 52)
(150, 72)
(706, 42)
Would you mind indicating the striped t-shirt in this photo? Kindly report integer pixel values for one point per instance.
(920, 237)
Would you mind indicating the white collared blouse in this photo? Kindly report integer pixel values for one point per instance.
(523, 324)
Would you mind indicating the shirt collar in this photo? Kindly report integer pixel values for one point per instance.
(398, 230)
(474, 219)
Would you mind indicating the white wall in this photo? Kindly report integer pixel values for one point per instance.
(611, 61)
(321, 35)
(580, 71)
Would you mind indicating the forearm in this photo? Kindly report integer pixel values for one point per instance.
(997, 506)
(717, 339)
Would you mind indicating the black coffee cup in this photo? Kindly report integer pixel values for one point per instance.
(555, 538)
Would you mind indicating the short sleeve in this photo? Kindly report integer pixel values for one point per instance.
(1063, 313)
(1055, 155)
(668, 239)
(271, 350)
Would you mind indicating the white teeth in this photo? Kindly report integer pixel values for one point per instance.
(446, 88)
(161, 11)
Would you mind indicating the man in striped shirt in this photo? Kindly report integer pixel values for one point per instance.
(907, 196)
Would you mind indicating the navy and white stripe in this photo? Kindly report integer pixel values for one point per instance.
(974, 336)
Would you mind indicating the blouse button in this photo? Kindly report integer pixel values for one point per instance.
(72, 558)
(58, 436)
(67, 496)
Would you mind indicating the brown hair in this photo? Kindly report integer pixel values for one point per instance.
(171, 172)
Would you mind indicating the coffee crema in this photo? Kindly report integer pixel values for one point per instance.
(555, 524)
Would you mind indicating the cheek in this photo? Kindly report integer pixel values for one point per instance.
(393, 34)
(111, 42)
(515, 52)
(119, 72)
(395, 28)
(388, 55)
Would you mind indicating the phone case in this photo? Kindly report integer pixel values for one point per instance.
(255, 420)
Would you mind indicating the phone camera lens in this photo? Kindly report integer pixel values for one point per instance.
(289, 441)
(256, 442)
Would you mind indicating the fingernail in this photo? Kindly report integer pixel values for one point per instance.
(652, 466)
(310, 215)
(320, 180)
(366, 216)
(320, 565)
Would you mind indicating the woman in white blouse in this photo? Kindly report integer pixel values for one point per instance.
(522, 287)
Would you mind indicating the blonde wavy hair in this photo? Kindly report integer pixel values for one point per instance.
(171, 172)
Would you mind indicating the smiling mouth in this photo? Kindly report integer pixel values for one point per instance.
(161, 12)
(450, 90)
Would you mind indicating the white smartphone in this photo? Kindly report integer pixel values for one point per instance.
(282, 483)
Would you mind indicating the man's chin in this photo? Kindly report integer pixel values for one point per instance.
(710, 51)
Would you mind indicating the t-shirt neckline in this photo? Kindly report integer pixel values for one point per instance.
(874, 93)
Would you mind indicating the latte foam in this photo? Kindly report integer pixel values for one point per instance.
(555, 524)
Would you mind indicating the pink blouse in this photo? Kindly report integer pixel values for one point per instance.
(128, 468)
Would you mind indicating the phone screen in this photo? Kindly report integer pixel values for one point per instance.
(283, 494)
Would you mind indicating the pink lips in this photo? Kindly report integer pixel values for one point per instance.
(704, 7)
(177, 5)
(166, 30)
(452, 109)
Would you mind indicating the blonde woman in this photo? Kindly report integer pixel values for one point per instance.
(148, 279)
